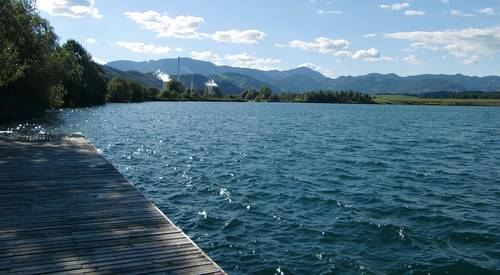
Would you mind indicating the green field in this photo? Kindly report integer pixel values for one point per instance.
(411, 100)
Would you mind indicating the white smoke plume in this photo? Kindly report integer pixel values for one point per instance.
(211, 83)
(162, 76)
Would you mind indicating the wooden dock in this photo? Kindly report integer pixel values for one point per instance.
(64, 209)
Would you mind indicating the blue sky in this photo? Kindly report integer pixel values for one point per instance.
(335, 37)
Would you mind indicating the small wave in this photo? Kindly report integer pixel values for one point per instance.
(233, 224)
(436, 266)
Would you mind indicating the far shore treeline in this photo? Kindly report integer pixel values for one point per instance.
(37, 72)
(123, 91)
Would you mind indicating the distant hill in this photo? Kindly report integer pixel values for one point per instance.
(241, 81)
(242, 77)
(235, 79)
(146, 79)
(198, 80)
(229, 83)
(392, 83)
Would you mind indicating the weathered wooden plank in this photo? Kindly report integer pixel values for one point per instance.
(125, 252)
(64, 214)
(113, 260)
(72, 196)
(165, 256)
(82, 226)
(81, 240)
(98, 253)
(84, 210)
(7, 238)
(72, 249)
(170, 264)
(41, 177)
(132, 198)
(103, 186)
(28, 207)
(64, 208)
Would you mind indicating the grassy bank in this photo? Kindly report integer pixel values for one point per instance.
(411, 100)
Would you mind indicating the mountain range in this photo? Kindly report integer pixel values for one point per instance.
(233, 80)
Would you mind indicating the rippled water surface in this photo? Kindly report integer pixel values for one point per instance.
(314, 188)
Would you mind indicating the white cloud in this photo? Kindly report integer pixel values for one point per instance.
(277, 45)
(414, 13)
(486, 11)
(247, 61)
(90, 40)
(239, 37)
(98, 60)
(69, 8)
(139, 47)
(339, 48)
(460, 13)
(370, 55)
(184, 26)
(343, 53)
(468, 44)
(402, 6)
(422, 45)
(206, 56)
(472, 59)
(412, 59)
(369, 35)
(395, 6)
(482, 11)
(321, 44)
(445, 1)
(320, 11)
(166, 26)
(323, 71)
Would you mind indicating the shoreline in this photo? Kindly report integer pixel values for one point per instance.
(377, 100)
(410, 100)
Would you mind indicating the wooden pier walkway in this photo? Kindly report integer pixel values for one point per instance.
(64, 209)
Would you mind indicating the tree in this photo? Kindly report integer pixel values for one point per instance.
(122, 90)
(264, 93)
(164, 94)
(216, 92)
(152, 94)
(27, 41)
(334, 97)
(184, 95)
(194, 94)
(175, 86)
(251, 94)
(274, 97)
(83, 78)
(174, 95)
(27, 44)
(118, 91)
(137, 92)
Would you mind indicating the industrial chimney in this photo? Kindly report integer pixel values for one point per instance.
(178, 68)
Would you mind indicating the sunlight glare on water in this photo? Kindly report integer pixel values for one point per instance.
(313, 188)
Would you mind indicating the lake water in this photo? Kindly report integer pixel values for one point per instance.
(313, 188)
